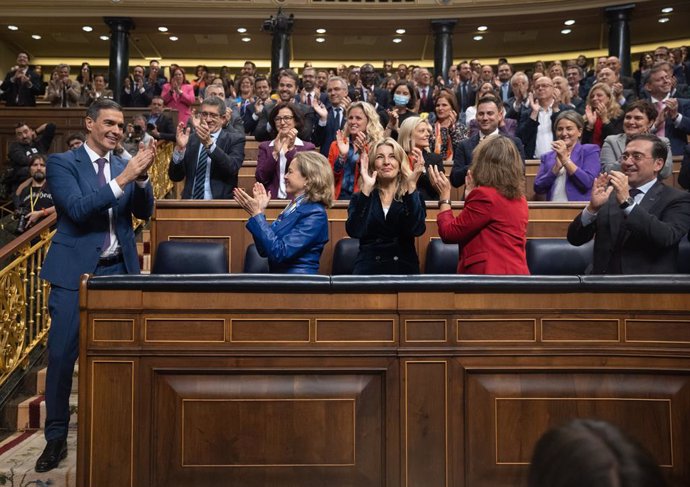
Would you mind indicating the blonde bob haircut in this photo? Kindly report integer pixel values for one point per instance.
(406, 132)
(400, 156)
(496, 163)
(374, 128)
(317, 171)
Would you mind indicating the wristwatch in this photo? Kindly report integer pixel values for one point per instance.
(628, 202)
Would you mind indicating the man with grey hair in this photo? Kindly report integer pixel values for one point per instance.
(63, 91)
(210, 158)
(234, 119)
(332, 119)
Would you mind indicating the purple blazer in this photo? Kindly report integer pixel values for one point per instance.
(268, 168)
(578, 186)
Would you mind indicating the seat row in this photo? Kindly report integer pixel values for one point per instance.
(546, 256)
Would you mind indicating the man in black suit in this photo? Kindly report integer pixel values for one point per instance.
(22, 84)
(287, 89)
(673, 121)
(505, 72)
(159, 125)
(139, 93)
(425, 91)
(368, 91)
(332, 119)
(489, 117)
(210, 158)
(636, 221)
(466, 90)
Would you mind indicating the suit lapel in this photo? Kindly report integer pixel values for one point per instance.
(621, 143)
(85, 168)
(652, 197)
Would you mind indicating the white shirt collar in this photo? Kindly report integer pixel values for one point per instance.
(482, 136)
(93, 155)
(298, 142)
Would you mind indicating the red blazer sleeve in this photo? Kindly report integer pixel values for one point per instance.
(476, 215)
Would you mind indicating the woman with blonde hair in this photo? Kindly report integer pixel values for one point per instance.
(388, 213)
(362, 129)
(492, 227)
(294, 242)
(603, 114)
(413, 137)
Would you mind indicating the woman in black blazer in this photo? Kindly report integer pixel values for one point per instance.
(388, 212)
(413, 137)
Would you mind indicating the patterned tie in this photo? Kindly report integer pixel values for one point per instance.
(200, 175)
(102, 182)
(661, 128)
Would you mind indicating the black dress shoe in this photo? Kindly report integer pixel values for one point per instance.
(54, 451)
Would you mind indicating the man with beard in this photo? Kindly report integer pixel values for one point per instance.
(28, 142)
(22, 84)
(287, 90)
(309, 90)
(368, 91)
(33, 200)
(139, 94)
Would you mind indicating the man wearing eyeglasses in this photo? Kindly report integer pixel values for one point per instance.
(210, 158)
(636, 221)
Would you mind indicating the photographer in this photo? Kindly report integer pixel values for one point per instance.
(33, 200)
(136, 133)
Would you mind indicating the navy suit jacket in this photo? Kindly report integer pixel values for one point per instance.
(678, 136)
(82, 217)
(226, 161)
(462, 158)
(17, 94)
(324, 136)
(652, 230)
(292, 243)
(386, 242)
(471, 96)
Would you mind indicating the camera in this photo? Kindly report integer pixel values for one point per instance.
(22, 215)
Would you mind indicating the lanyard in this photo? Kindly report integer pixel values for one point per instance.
(33, 200)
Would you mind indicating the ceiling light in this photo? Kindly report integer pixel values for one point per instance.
(173, 38)
(104, 38)
(246, 39)
(482, 28)
(397, 40)
(663, 20)
(87, 28)
(400, 31)
(667, 10)
(569, 22)
(320, 39)
(163, 28)
(566, 31)
(36, 36)
(13, 27)
(320, 31)
(478, 38)
(241, 30)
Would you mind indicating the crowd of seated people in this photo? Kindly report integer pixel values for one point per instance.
(577, 119)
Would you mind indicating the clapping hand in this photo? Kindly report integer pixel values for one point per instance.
(417, 169)
(319, 108)
(393, 119)
(253, 205)
(368, 180)
(600, 192)
(360, 142)
(561, 151)
(590, 116)
(182, 136)
(440, 182)
(533, 104)
(343, 143)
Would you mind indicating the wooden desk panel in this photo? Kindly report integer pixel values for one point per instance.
(391, 391)
(224, 221)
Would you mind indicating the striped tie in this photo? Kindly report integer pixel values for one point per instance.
(200, 175)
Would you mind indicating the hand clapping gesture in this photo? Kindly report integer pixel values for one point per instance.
(590, 116)
(561, 154)
(319, 108)
(368, 180)
(418, 169)
(533, 104)
(343, 143)
(600, 192)
(393, 120)
(440, 182)
(182, 136)
(253, 205)
(360, 142)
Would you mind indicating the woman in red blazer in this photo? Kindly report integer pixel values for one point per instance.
(492, 227)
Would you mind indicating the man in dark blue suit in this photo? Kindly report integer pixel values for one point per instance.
(489, 117)
(332, 119)
(673, 121)
(95, 195)
(466, 91)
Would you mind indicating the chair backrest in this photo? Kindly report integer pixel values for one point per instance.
(684, 256)
(344, 255)
(189, 257)
(253, 262)
(557, 257)
(441, 258)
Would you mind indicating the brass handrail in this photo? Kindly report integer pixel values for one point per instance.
(24, 301)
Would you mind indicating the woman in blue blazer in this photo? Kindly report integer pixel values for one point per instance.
(567, 173)
(388, 212)
(294, 241)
